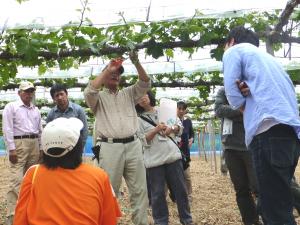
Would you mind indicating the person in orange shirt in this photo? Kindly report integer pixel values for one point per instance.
(62, 190)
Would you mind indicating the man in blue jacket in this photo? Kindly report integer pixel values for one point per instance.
(258, 85)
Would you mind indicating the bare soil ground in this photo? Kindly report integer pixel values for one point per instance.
(213, 196)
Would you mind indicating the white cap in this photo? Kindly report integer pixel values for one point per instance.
(61, 133)
(25, 85)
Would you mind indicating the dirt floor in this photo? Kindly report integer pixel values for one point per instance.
(213, 196)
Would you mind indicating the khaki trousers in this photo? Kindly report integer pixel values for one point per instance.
(188, 181)
(28, 154)
(126, 160)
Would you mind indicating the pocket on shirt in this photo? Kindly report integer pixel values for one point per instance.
(130, 111)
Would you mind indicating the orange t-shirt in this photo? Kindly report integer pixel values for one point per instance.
(66, 197)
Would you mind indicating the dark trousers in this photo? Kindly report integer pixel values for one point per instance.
(244, 181)
(157, 177)
(275, 154)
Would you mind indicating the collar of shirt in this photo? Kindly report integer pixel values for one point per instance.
(70, 106)
(21, 103)
(183, 118)
(152, 114)
(109, 91)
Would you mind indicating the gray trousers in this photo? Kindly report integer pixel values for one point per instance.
(126, 160)
(174, 175)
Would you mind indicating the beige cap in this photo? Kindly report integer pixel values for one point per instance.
(61, 133)
(25, 85)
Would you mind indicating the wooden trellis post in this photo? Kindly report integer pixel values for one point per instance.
(198, 143)
(203, 143)
(212, 136)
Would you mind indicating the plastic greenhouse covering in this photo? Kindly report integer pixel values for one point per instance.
(56, 13)
(104, 12)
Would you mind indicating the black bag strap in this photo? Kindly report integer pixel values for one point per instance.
(148, 120)
(154, 124)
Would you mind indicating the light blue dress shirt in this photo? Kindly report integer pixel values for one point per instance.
(272, 99)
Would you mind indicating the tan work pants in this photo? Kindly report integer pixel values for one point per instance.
(28, 154)
(126, 160)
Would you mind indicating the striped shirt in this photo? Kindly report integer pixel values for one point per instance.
(19, 119)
